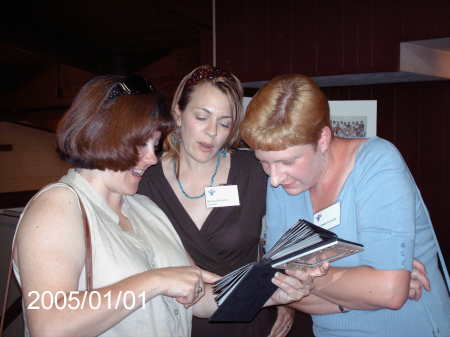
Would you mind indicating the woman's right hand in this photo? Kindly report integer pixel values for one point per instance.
(295, 284)
(185, 284)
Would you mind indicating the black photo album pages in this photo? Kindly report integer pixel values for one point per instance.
(241, 293)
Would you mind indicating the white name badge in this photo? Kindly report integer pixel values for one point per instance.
(328, 217)
(221, 196)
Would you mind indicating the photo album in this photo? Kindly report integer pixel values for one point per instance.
(241, 293)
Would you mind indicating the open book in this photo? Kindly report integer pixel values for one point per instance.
(241, 293)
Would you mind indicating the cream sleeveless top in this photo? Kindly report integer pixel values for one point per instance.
(117, 254)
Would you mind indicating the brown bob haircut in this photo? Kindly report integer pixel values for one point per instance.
(99, 132)
(223, 80)
(288, 110)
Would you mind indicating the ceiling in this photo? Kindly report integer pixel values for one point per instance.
(98, 36)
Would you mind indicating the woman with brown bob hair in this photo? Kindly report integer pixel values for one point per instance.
(101, 131)
(200, 152)
(131, 276)
(363, 191)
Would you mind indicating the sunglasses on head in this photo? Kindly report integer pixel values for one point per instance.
(132, 85)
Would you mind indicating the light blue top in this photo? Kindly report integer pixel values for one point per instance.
(382, 208)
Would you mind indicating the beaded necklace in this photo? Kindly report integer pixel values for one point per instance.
(211, 182)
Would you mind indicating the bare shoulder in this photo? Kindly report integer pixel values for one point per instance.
(52, 218)
(50, 205)
(49, 250)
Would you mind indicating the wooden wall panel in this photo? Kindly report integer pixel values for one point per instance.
(304, 28)
(407, 124)
(386, 111)
(329, 38)
(336, 93)
(422, 20)
(253, 27)
(281, 37)
(260, 38)
(385, 19)
(231, 44)
(356, 37)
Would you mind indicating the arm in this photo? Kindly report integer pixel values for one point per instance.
(364, 287)
(313, 304)
(284, 321)
(49, 253)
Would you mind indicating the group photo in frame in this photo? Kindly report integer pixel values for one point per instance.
(354, 119)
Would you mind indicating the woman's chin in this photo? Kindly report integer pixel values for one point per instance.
(292, 189)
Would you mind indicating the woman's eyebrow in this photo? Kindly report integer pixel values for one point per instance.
(210, 112)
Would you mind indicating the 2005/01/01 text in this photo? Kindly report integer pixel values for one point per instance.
(79, 300)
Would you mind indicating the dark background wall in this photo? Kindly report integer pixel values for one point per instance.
(259, 39)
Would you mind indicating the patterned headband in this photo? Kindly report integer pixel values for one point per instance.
(207, 73)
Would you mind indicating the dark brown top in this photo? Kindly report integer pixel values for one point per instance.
(228, 238)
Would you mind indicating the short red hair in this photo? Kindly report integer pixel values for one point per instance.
(288, 110)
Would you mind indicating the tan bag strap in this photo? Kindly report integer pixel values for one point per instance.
(88, 245)
(87, 261)
(5, 294)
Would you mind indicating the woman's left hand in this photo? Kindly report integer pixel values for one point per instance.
(283, 323)
(418, 281)
(295, 284)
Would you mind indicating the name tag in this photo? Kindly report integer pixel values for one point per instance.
(221, 196)
(328, 217)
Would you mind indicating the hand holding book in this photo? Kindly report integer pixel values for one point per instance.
(242, 293)
(295, 283)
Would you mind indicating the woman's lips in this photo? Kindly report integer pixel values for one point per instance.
(205, 147)
(288, 185)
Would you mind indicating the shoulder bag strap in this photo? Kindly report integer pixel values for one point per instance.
(5, 294)
(88, 245)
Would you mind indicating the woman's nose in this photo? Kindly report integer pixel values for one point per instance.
(275, 176)
(211, 129)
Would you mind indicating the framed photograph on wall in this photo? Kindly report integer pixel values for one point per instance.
(354, 119)
(350, 119)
